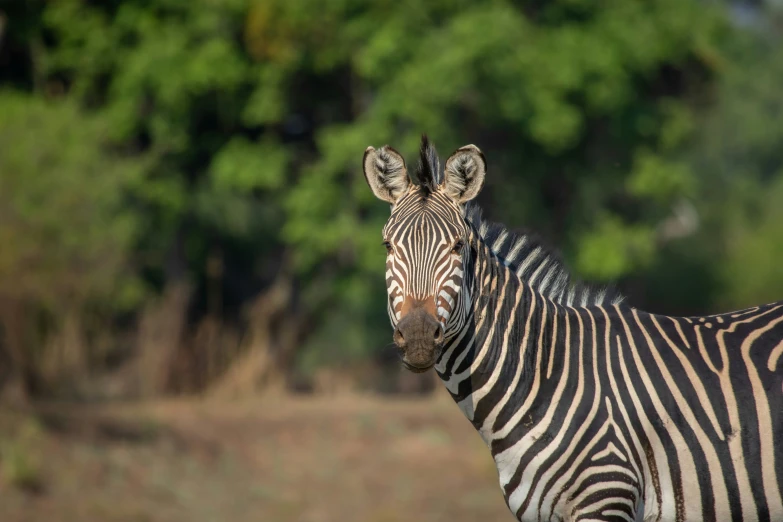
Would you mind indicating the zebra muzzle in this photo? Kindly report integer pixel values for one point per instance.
(419, 335)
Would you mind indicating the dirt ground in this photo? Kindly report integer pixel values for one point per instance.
(342, 458)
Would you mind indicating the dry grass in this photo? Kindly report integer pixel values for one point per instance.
(343, 458)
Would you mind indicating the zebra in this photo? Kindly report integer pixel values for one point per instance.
(591, 409)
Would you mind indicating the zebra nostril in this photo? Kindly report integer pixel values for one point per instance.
(399, 340)
(438, 335)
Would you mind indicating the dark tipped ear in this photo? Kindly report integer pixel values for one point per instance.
(464, 173)
(385, 172)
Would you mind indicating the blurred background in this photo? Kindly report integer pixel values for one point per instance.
(192, 304)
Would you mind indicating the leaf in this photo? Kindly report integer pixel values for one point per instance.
(245, 166)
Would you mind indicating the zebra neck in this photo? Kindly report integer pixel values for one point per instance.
(493, 367)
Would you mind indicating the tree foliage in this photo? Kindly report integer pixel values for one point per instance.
(153, 141)
(738, 152)
(63, 214)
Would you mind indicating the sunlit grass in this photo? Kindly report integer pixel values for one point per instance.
(20, 461)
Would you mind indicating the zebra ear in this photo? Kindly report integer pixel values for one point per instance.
(385, 172)
(464, 173)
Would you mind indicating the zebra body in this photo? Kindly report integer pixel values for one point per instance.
(592, 410)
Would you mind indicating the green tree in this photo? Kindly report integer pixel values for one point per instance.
(738, 157)
(64, 222)
(252, 115)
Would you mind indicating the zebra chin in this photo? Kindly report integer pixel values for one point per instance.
(417, 369)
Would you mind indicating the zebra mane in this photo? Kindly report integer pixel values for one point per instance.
(536, 264)
(428, 171)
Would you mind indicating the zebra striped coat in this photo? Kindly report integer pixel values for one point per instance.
(592, 409)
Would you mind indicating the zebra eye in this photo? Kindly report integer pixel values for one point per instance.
(388, 246)
(458, 246)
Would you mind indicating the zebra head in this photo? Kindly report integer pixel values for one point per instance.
(425, 239)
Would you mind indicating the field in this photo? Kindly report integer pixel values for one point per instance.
(311, 459)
